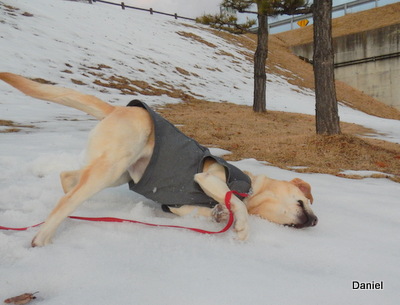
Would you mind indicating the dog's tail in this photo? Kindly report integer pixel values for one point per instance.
(67, 97)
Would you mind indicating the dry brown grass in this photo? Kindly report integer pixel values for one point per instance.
(197, 38)
(134, 87)
(10, 126)
(283, 139)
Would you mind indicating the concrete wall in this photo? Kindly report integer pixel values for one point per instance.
(368, 61)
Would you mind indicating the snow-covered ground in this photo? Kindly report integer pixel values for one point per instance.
(102, 263)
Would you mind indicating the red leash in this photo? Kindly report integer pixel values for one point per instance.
(228, 197)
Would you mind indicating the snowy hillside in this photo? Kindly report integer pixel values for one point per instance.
(75, 44)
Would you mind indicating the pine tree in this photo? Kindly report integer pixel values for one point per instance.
(327, 118)
(326, 108)
(263, 9)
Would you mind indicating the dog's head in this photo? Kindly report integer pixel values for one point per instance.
(283, 202)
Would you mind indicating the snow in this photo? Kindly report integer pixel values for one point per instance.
(105, 263)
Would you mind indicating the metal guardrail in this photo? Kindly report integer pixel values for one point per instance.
(357, 61)
(340, 7)
(151, 11)
(368, 59)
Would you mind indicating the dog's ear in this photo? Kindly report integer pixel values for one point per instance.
(304, 187)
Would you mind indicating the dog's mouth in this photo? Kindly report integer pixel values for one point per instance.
(310, 221)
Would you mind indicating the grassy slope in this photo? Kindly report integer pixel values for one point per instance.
(283, 139)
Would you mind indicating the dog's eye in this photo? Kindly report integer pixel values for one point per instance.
(301, 203)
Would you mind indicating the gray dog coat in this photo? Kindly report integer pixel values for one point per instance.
(169, 177)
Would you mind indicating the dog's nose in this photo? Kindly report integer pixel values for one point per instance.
(313, 221)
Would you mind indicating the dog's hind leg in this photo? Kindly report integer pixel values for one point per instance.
(190, 209)
(115, 145)
(69, 179)
(98, 175)
(218, 213)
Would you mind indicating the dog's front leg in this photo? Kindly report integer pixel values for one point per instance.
(216, 188)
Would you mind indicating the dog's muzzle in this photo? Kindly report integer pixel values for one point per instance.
(308, 221)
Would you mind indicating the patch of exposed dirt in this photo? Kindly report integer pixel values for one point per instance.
(197, 38)
(7, 126)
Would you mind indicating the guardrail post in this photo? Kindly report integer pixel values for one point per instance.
(151, 11)
(176, 16)
(123, 5)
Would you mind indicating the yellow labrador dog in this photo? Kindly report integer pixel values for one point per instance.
(137, 146)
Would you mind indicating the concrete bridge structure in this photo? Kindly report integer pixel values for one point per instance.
(368, 60)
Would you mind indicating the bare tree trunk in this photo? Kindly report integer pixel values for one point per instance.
(260, 58)
(327, 117)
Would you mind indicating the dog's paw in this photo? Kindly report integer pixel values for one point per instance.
(41, 240)
(220, 213)
(38, 243)
(242, 229)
